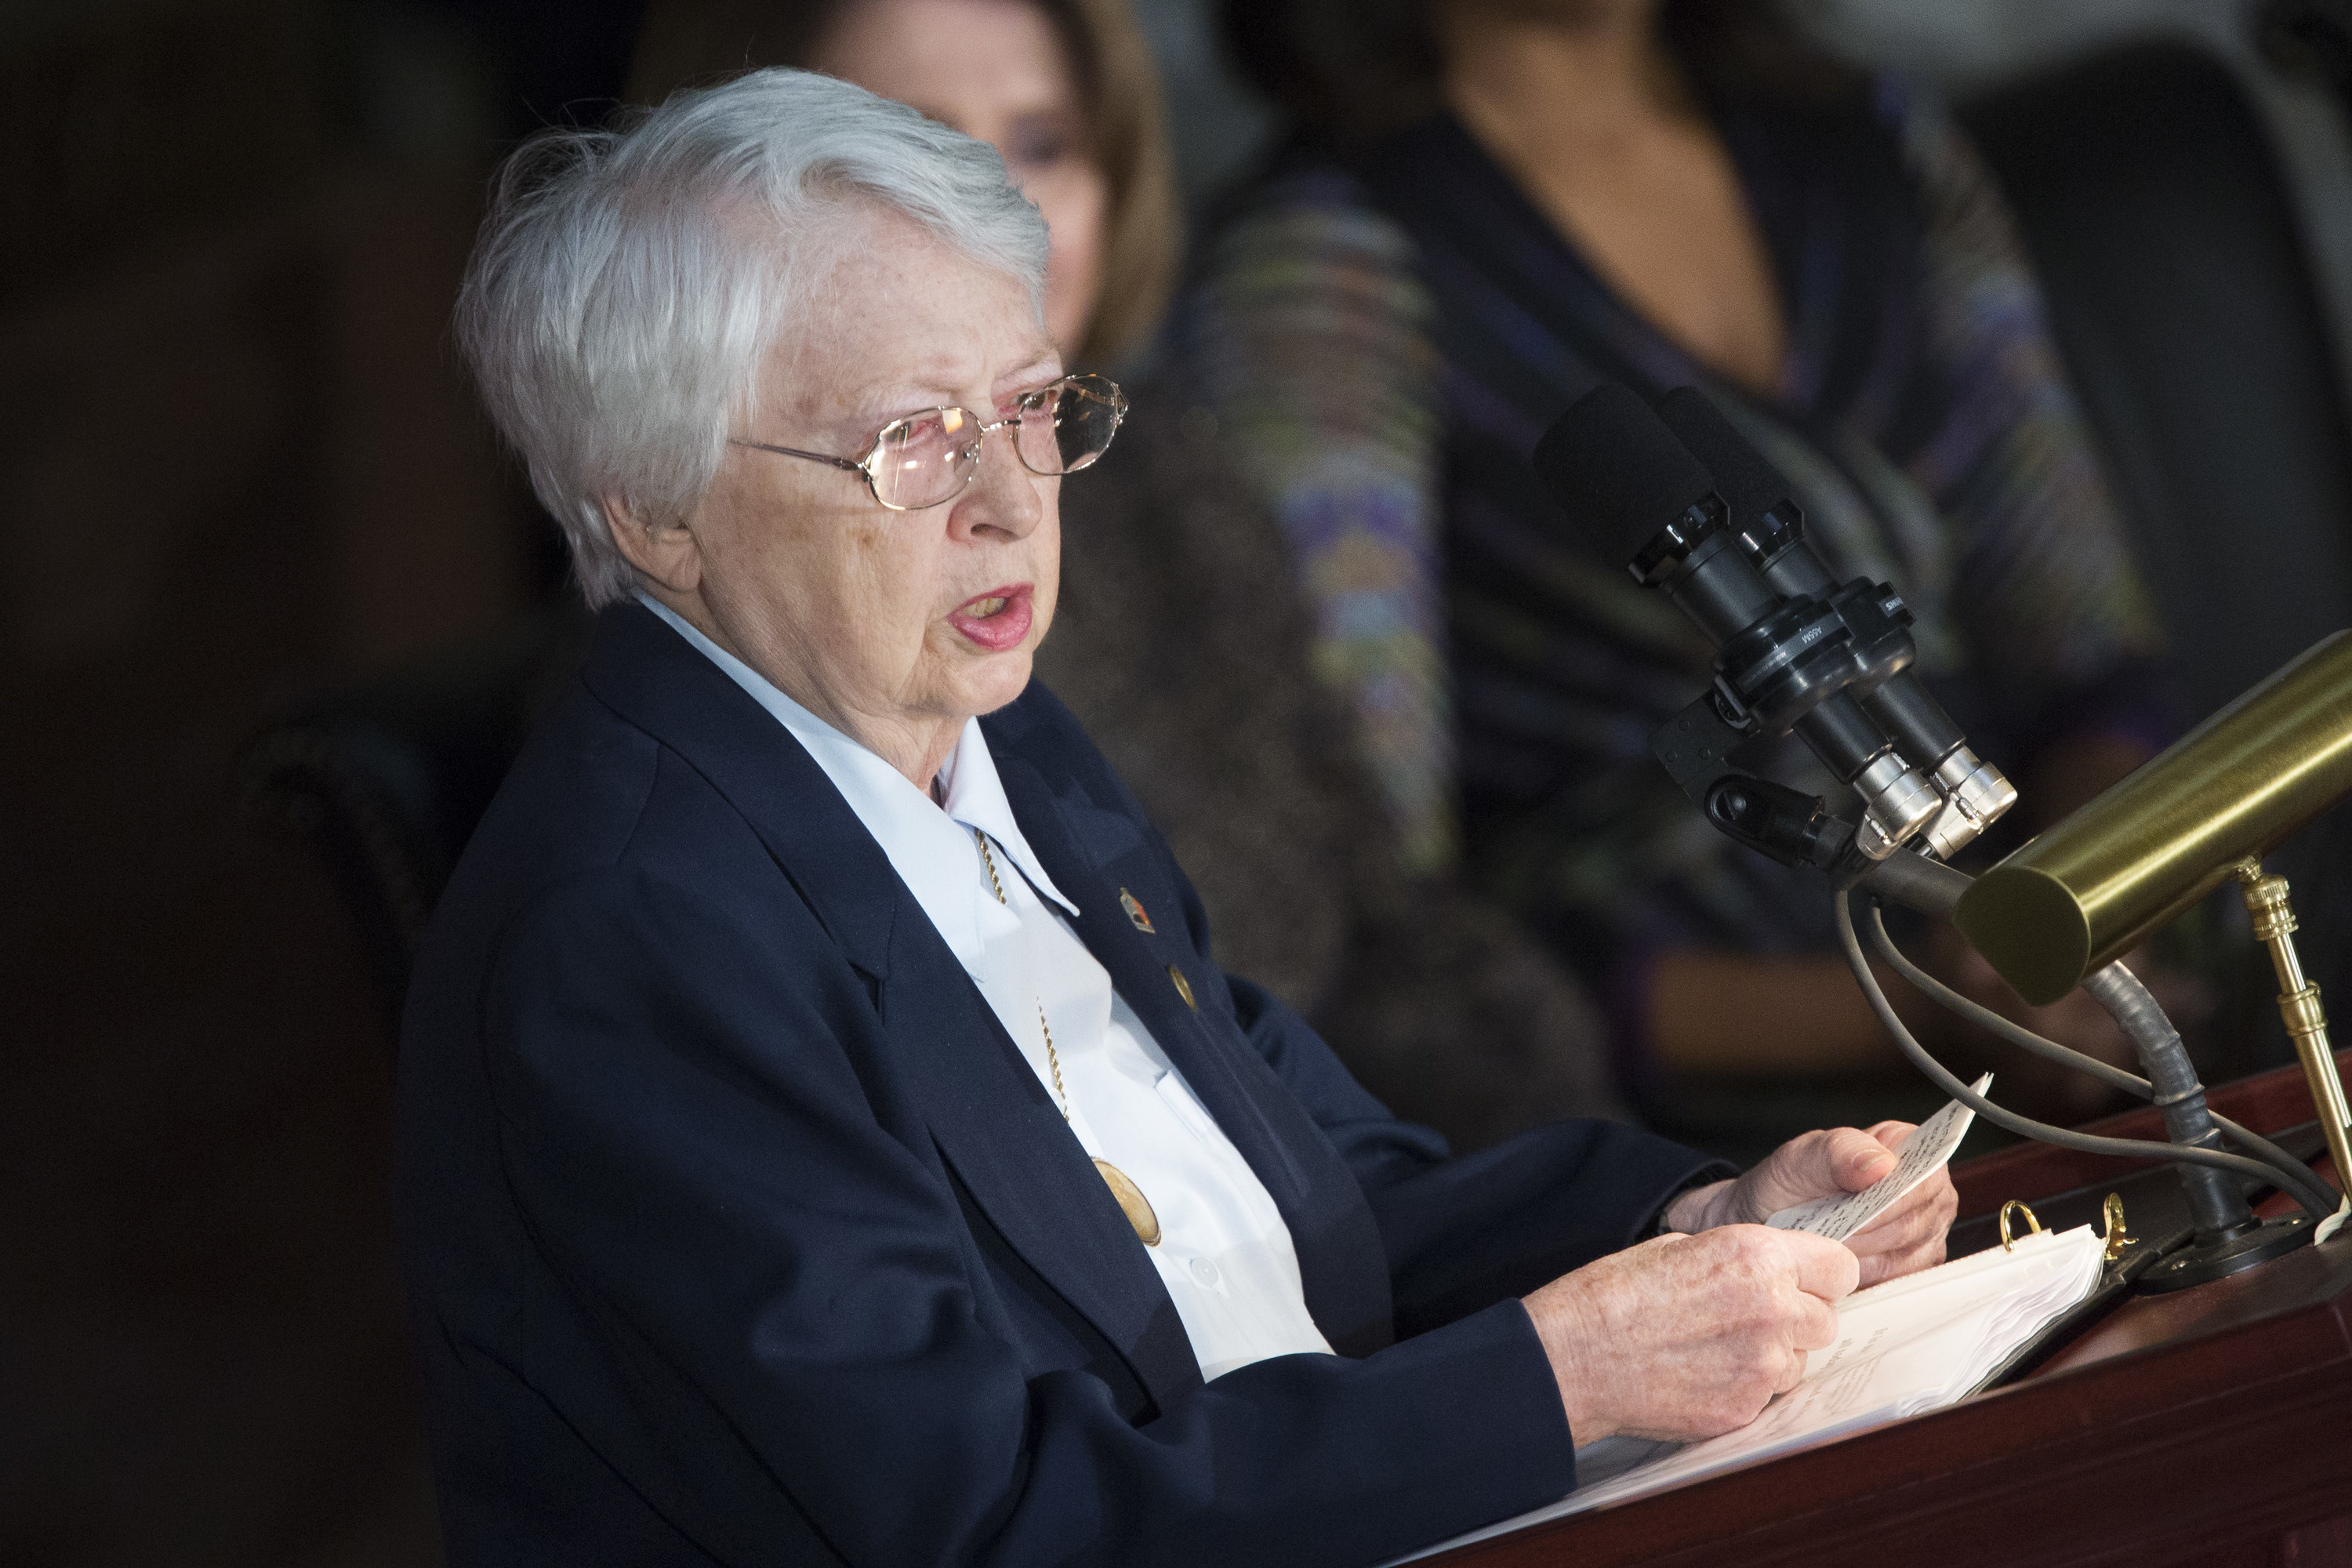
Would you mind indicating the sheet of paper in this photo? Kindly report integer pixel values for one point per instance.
(1922, 1154)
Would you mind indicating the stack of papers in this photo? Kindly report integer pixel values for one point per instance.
(1904, 1348)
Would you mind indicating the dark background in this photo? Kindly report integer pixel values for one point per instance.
(239, 467)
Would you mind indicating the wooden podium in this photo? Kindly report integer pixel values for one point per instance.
(2209, 1427)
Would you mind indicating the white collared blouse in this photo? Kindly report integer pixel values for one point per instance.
(1224, 1252)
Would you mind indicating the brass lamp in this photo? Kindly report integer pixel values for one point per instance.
(2096, 886)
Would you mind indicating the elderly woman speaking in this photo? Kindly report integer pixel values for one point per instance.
(824, 1137)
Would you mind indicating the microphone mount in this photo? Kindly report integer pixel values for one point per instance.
(1803, 662)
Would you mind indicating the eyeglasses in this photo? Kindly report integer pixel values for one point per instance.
(926, 460)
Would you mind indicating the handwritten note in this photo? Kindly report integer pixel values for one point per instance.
(1921, 1155)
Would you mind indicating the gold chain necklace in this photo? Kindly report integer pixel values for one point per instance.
(1131, 1201)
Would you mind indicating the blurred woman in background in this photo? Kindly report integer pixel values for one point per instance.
(1181, 640)
(1493, 206)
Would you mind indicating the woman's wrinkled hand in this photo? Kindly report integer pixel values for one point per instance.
(1689, 1336)
(1907, 1237)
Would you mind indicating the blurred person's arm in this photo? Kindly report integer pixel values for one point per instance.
(1308, 343)
(1729, 1015)
(1715, 1013)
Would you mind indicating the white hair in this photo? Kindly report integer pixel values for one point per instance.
(627, 283)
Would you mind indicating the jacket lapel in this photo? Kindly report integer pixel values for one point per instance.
(995, 1124)
(991, 1118)
(1342, 1261)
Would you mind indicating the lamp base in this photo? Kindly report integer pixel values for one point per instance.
(2201, 1263)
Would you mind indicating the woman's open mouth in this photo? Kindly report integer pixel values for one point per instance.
(996, 620)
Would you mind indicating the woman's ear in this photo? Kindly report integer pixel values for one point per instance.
(666, 553)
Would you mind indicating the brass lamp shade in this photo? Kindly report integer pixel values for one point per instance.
(2093, 887)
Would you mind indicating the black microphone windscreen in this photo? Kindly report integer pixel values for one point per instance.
(1749, 485)
(1617, 471)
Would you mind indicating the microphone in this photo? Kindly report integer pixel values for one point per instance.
(1784, 661)
(1771, 530)
(1691, 508)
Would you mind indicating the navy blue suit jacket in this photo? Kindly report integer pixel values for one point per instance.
(739, 1232)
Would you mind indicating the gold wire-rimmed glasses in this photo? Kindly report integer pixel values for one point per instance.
(927, 458)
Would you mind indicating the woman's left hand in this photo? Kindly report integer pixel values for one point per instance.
(1907, 1237)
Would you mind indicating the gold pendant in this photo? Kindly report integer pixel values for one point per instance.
(1131, 1202)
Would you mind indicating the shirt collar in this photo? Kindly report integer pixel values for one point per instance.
(975, 797)
(931, 853)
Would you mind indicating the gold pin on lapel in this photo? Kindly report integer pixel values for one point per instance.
(1183, 987)
(1134, 908)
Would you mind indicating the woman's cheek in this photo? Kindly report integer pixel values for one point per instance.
(1071, 201)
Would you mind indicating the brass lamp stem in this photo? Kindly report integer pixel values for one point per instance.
(2307, 1023)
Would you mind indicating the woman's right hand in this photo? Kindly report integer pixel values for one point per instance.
(1689, 1336)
